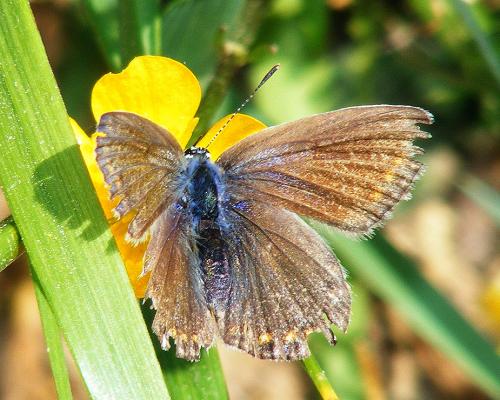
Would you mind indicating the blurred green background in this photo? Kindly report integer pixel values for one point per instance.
(427, 288)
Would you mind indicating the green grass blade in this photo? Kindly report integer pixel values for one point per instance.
(319, 378)
(395, 279)
(186, 380)
(483, 195)
(103, 17)
(9, 243)
(485, 47)
(189, 380)
(125, 29)
(61, 223)
(140, 28)
(55, 350)
(191, 32)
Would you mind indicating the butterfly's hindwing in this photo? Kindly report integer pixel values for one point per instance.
(284, 283)
(176, 286)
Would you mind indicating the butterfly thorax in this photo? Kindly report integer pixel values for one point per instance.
(203, 191)
(204, 181)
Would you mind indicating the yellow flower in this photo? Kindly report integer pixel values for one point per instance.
(167, 93)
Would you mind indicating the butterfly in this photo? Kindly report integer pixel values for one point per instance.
(229, 255)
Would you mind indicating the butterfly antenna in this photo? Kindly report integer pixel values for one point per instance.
(264, 80)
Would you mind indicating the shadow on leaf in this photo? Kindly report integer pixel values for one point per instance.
(72, 205)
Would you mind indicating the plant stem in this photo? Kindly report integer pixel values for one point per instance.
(319, 378)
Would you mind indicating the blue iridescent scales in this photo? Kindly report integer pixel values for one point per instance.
(228, 255)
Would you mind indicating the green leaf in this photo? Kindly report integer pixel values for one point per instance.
(192, 32)
(62, 225)
(55, 350)
(9, 243)
(140, 28)
(201, 380)
(103, 17)
(125, 29)
(189, 380)
(395, 279)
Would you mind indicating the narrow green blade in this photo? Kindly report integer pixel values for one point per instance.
(140, 33)
(125, 29)
(62, 225)
(55, 350)
(103, 17)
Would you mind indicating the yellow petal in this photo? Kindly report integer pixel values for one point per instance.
(240, 127)
(157, 88)
(491, 303)
(132, 255)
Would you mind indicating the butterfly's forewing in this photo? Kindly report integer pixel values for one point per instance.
(140, 162)
(348, 168)
(285, 283)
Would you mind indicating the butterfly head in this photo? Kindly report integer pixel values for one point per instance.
(200, 152)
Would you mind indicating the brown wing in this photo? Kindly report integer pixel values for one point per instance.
(140, 162)
(176, 287)
(348, 168)
(285, 283)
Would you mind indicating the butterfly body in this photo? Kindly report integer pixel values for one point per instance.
(203, 200)
(228, 254)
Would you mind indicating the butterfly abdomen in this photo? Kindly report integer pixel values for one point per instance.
(203, 189)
